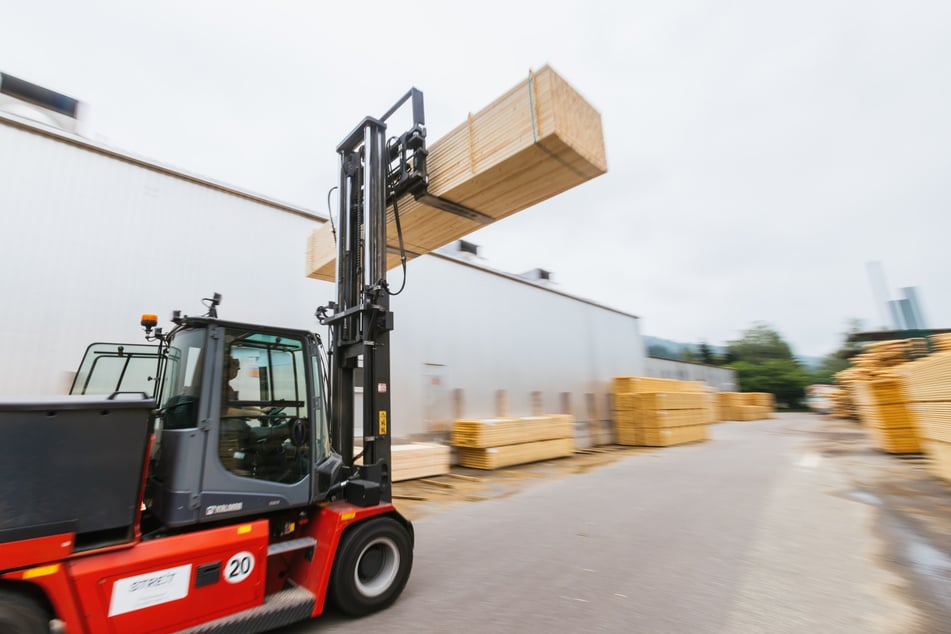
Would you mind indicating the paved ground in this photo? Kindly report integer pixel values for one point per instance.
(788, 525)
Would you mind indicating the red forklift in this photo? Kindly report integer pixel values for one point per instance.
(207, 481)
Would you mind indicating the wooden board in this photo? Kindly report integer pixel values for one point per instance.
(509, 455)
(933, 420)
(763, 399)
(896, 440)
(745, 399)
(928, 379)
(660, 418)
(940, 455)
(496, 432)
(417, 460)
(888, 391)
(942, 341)
(647, 384)
(662, 437)
(664, 401)
(744, 413)
(534, 142)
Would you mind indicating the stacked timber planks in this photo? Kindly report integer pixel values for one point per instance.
(417, 460)
(495, 443)
(847, 402)
(942, 341)
(884, 410)
(534, 142)
(927, 385)
(655, 412)
(878, 393)
(842, 405)
(746, 406)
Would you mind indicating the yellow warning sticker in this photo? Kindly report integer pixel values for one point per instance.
(382, 422)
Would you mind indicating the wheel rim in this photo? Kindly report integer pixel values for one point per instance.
(377, 567)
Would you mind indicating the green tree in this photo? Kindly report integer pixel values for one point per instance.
(783, 378)
(758, 344)
(706, 354)
(764, 362)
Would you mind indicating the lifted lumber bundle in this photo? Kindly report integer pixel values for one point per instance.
(537, 140)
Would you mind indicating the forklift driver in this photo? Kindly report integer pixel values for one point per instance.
(235, 432)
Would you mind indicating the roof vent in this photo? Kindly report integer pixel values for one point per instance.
(540, 276)
(21, 98)
(468, 247)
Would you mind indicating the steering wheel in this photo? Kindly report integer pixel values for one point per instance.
(274, 414)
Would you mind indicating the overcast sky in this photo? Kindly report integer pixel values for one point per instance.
(760, 153)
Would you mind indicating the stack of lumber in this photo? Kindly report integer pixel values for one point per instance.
(927, 385)
(942, 342)
(842, 405)
(746, 406)
(534, 142)
(502, 442)
(848, 379)
(654, 412)
(878, 395)
(878, 359)
(766, 401)
(417, 460)
(883, 409)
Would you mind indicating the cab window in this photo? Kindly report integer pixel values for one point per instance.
(264, 407)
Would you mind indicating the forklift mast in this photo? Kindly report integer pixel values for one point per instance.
(374, 172)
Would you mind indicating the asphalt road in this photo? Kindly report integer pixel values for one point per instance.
(787, 525)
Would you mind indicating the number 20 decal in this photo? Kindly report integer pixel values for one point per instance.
(239, 567)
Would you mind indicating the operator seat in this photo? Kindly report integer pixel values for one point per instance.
(181, 412)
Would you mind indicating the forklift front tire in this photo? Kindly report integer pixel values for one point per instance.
(20, 614)
(372, 566)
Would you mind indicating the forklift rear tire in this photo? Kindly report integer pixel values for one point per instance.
(372, 566)
(20, 614)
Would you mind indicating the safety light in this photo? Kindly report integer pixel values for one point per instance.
(149, 321)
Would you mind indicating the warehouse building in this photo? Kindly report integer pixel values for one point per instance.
(721, 379)
(94, 237)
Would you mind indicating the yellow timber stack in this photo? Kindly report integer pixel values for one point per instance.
(495, 443)
(534, 142)
(653, 412)
(416, 460)
(942, 341)
(879, 396)
(927, 384)
(746, 406)
(843, 402)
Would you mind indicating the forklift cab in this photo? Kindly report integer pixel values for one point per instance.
(241, 425)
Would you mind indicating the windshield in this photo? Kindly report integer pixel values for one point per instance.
(108, 368)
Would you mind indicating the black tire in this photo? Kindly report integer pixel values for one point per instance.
(20, 614)
(372, 566)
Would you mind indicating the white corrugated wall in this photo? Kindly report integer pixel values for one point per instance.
(470, 329)
(89, 242)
